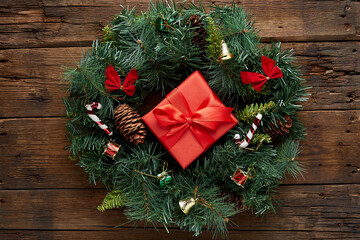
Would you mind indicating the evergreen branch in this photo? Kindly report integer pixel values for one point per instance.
(214, 39)
(112, 200)
(250, 111)
(259, 137)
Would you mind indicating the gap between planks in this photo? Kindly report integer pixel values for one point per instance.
(64, 116)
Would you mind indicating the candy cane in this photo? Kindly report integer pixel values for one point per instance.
(245, 143)
(91, 114)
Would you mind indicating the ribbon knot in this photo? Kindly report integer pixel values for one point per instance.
(178, 117)
(189, 120)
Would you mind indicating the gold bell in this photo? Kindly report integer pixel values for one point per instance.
(186, 204)
(225, 53)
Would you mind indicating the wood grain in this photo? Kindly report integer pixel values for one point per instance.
(175, 234)
(30, 79)
(44, 195)
(54, 23)
(34, 155)
(54, 209)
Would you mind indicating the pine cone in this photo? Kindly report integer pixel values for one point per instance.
(281, 129)
(200, 32)
(235, 199)
(128, 122)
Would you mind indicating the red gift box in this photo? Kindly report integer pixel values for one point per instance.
(190, 119)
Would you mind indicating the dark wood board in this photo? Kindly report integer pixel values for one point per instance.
(76, 23)
(34, 155)
(146, 233)
(30, 79)
(48, 209)
(44, 195)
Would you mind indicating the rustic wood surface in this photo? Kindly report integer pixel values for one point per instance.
(44, 195)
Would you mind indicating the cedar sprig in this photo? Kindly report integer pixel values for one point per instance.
(113, 199)
(250, 111)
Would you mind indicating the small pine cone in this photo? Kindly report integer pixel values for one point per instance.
(201, 33)
(235, 199)
(128, 122)
(281, 129)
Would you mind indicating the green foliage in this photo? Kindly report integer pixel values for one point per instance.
(260, 137)
(249, 113)
(108, 35)
(163, 59)
(112, 200)
(214, 39)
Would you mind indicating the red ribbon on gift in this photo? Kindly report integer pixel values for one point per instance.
(178, 117)
(257, 80)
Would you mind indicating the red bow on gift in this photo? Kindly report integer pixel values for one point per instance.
(257, 80)
(201, 122)
(113, 81)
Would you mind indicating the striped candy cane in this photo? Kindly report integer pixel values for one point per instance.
(245, 143)
(91, 114)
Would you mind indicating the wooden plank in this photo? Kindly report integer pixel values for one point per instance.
(76, 23)
(30, 81)
(332, 208)
(33, 154)
(332, 69)
(140, 233)
(332, 59)
(330, 151)
(30, 78)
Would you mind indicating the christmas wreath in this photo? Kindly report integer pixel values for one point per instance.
(184, 116)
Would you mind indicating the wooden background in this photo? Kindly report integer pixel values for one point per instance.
(44, 195)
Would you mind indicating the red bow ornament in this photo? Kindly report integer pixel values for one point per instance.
(257, 80)
(201, 122)
(113, 81)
